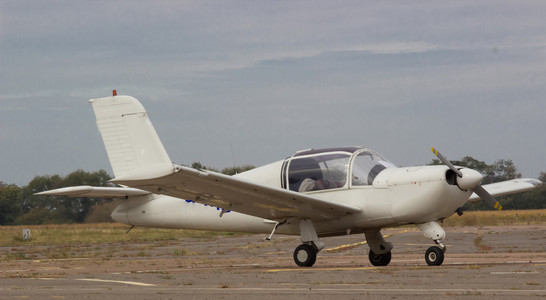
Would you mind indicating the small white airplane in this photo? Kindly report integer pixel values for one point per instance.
(314, 193)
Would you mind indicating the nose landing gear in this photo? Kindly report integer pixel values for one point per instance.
(434, 256)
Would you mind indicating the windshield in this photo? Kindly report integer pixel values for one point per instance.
(367, 165)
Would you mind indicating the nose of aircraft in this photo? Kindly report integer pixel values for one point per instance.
(469, 180)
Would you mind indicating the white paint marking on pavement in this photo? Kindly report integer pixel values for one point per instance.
(512, 273)
(118, 281)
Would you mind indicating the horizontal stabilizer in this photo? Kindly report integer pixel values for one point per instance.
(508, 187)
(92, 191)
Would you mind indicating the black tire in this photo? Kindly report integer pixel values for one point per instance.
(305, 255)
(434, 256)
(379, 260)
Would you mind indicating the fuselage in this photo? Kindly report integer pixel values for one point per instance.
(388, 195)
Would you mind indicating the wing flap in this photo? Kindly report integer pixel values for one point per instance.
(508, 187)
(240, 195)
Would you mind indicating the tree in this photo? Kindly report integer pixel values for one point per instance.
(36, 185)
(78, 208)
(39, 209)
(535, 199)
(199, 166)
(100, 212)
(237, 169)
(500, 170)
(228, 171)
(10, 200)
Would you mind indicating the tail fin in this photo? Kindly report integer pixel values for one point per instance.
(131, 141)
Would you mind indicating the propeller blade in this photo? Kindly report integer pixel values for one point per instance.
(480, 191)
(447, 162)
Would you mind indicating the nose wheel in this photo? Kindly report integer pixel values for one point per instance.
(434, 256)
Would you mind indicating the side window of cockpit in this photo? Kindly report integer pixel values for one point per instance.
(300, 170)
(320, 172)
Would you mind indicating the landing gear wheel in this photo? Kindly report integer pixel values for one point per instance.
(305, 255)
(434, 256)
(379, 260)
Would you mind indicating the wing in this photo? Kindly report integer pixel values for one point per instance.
(508, 187)
(236, 194)
(91, 191)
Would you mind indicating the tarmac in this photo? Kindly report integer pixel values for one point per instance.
(497, 262)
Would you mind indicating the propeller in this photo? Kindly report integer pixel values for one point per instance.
(468, 179)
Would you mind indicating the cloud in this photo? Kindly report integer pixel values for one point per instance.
(272, 76)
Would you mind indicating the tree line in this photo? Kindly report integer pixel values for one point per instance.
(20, 205)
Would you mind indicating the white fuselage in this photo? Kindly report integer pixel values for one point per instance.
(397, 196)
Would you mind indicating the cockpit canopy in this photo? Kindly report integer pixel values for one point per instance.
(332, 168)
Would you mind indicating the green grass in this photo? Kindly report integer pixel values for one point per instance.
(497, 218)
(89, 234)
(78, 234)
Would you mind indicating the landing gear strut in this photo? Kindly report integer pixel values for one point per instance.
(434, 256)
(305, 254)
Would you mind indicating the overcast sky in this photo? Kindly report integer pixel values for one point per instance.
(268, 78)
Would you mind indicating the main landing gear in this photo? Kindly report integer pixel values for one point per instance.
(380, 250)
(305, 254)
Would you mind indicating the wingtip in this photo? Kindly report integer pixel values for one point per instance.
(535, 182)
(67, 191)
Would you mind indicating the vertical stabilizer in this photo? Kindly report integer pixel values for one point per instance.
(128, 134)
